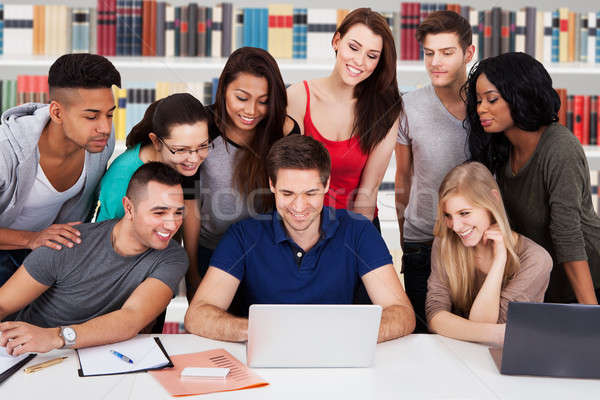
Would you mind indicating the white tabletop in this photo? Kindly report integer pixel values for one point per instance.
(414, 367)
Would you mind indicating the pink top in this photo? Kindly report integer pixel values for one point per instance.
(347, 163)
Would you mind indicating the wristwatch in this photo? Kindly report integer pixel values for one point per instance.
(69, 336)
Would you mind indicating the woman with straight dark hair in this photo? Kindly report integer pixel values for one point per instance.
(174, 131)
(354, 111)
(540, 166)
(248, 116)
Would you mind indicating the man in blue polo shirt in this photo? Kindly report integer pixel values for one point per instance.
(303, 254)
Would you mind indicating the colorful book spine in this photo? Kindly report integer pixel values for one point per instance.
(530, 19)
(192, 39)
(555, 36)
(217, 30)
(597, 38)
(146, 23)
(93, 38)
(247, 33)
(578, 117)
(2, 30)
(39, 29)
(570, 109)
(571, 37)
(238, 28)
(80, 31)
(563, 52)
(586, 120)
(520, 37)
(594, 122)
(496, 30)
(280, 34)
(591, 39)
(112, 28)
(169, 30)
(160, 28)
(548, 46)
(583, 41)
(208, 31)
(122, 37)
(487, 34)
(201, 32)
(18, 29)
(177, 31)
(505, 32)
(121, 115)
(321, 27)
(227, 39)
(300, 27)
(263, 28)
(136, 28)
(539, 36)
(184, 32)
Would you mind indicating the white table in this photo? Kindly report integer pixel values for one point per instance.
(414, 367)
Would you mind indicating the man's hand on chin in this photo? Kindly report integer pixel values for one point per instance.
(21, 337)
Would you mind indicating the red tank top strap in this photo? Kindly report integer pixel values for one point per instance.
(308, 125)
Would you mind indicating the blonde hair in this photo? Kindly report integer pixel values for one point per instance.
(475, 183)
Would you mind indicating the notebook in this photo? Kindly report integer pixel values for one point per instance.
(147, 353)
(9, 364)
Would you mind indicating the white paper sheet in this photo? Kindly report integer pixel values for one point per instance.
(144, 351)
(7, 361)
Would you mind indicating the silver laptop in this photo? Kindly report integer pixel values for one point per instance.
(305, 336)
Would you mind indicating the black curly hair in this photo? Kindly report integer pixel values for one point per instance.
(526, 86)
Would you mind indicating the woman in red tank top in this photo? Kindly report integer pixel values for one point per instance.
(355, 110)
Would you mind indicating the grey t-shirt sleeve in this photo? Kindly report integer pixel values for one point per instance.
(565, 177)
(403, 137)
(45, 264)
(171, 266)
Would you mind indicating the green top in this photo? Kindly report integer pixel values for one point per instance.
(114, 183)
(549, 201)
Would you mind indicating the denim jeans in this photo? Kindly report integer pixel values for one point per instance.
(416, 266)
(10, 261)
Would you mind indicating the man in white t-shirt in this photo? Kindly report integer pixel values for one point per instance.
(431, 141)
(52, 158)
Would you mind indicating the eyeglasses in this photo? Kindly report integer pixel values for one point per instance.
(183, 152)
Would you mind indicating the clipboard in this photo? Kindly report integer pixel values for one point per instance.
(9, 372)
(169, 363)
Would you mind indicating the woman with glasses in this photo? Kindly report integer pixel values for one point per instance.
(248, 116)
(174, 131)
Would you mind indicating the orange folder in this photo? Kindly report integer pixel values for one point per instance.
(239, 377)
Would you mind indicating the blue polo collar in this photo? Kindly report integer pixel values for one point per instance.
(329, 225)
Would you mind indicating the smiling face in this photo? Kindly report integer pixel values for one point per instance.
(493, 110)
(86, 116)
(246, 100)
(445, 59)
(185, 148)
(358, 53)
(468, 221)
(156, 215)
(299, 195)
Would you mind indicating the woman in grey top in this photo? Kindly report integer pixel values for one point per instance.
(540, 167)
(248, 116)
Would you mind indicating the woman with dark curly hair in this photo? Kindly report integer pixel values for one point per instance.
(540, 166)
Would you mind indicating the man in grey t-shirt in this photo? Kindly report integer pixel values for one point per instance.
(108, 288)
(431, 141)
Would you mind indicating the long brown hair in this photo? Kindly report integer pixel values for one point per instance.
(475, 183)
(378, 101)
(249, 172)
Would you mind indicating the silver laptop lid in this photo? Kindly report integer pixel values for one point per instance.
(304, 336)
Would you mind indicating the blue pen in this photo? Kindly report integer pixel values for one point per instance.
(122, 357)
